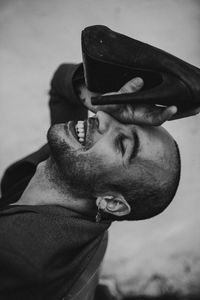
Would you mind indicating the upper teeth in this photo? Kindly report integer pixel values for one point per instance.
(80, 131)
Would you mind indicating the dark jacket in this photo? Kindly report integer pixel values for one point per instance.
(47, 252)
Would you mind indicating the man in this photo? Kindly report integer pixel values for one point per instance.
(58, 203)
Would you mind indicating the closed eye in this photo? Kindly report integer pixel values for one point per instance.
(121, 145)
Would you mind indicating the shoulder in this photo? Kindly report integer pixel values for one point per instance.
(30, 242)
(27, 233)
(20, 276)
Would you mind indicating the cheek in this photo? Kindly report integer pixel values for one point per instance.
(105, 154)
(100, 170)
(102, 162)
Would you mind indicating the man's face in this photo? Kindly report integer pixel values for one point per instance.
(111, 152)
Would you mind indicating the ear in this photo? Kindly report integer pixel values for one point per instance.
(113, 204)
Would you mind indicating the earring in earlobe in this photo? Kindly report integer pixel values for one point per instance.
(101, 204)
(98, 216)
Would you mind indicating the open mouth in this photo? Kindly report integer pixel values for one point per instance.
(82, 129)
(77, 131)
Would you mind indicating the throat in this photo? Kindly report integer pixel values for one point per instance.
(48, 187)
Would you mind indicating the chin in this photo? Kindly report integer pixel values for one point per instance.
(58, 138)
(79, 169)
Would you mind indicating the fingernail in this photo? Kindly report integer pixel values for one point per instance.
(137, 81)
(173, 112)
(174, 109)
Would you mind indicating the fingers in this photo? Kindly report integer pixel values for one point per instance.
(168, 113)
(132, 86)
(152, 115)
(161, 115)
(107, 108)
(139, 113)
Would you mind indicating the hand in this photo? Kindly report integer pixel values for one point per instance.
(129, 113)
(142, 114)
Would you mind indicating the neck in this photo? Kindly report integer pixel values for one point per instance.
(47, 187)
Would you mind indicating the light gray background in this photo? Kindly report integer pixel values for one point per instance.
(149, 257)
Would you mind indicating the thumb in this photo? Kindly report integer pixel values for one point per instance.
(132, 86)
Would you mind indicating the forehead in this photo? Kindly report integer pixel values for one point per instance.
(156, 145)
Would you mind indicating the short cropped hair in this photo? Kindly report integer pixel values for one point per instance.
(148, 199)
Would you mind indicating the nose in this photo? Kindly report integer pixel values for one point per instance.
(107, 123)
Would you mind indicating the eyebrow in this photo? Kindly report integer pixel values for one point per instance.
(136, 146)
